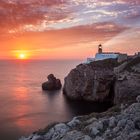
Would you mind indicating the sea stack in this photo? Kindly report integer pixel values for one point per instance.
(52, 83)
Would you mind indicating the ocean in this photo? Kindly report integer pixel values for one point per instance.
(24, 107)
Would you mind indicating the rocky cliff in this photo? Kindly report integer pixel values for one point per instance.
(127, 84)
(104, 81)
(92, 81)
(118, 123)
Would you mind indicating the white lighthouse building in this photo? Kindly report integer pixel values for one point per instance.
(105, 55)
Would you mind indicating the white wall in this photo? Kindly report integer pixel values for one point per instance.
(105, 56)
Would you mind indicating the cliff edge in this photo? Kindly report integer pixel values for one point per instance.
(104, 81)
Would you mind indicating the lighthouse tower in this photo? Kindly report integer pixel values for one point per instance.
(100, 49)
(104, 55)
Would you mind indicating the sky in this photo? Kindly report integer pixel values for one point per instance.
(68, 29)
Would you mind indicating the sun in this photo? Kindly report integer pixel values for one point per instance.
(22, 56)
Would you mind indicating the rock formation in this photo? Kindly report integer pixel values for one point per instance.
(127, 84)
(115, 124)
(92, 81)
(105, 80)
(52, 83)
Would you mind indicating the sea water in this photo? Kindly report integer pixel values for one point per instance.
(24, 107)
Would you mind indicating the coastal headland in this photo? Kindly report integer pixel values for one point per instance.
(101, 81)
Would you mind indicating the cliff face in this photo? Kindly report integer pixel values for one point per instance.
(127, 83)
(92, 82)
(128, 88)
(99, 81)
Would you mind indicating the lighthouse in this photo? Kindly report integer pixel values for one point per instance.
(101, 55)
(100, 49)
(105, 55)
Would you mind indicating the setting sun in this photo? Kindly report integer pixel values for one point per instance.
(22, 56)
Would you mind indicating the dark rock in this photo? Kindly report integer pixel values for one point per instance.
(127, 84)
(52, 83)
(58, 84)
(92, 82)
(104, 81)
(137, 123)
(138, 99)
(51, 78)
(40, 138)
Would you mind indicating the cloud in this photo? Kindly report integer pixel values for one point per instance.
(16, 13)
(132, 2)
(84, 33)
(127, 41)
(98, 32)
(42, 15)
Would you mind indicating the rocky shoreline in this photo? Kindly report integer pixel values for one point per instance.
(118, 123)
(102, 81)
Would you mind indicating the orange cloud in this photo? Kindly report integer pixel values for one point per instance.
(14, 14)
(41, 43)
(59, 28)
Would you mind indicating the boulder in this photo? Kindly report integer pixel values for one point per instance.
(74, 122)
(112, 122)
(138, 99)
(52, 83)
(76, 135)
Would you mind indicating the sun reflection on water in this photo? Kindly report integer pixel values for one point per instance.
(22, 109)
(21, 93)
